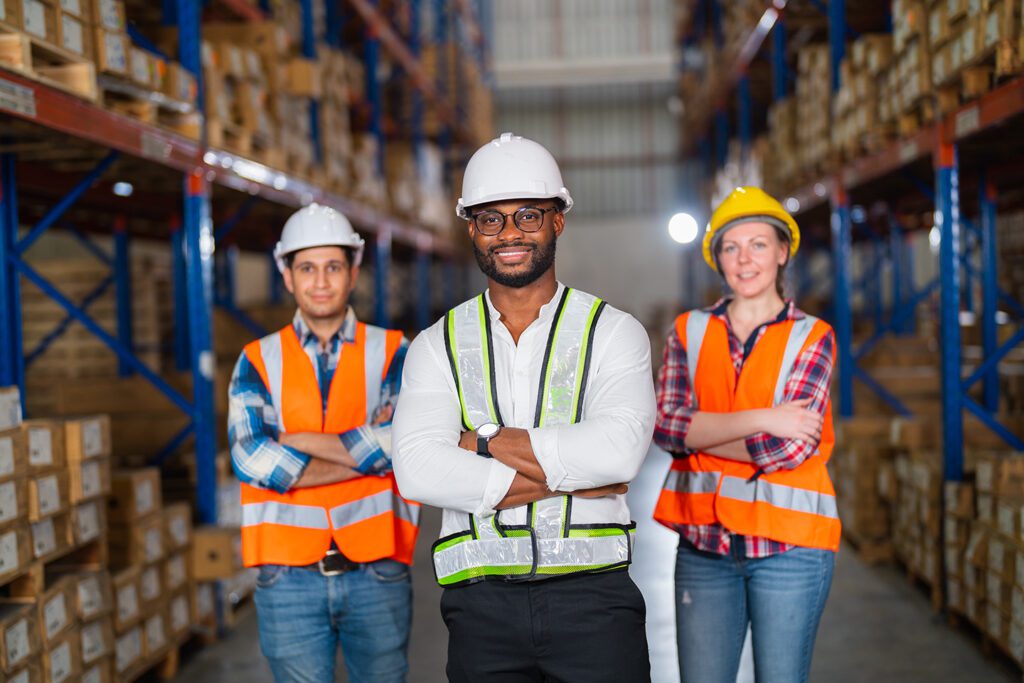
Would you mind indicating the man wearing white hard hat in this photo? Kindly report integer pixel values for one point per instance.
(524, 414)
(310, 430)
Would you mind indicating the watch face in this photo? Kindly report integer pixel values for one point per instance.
(487, 430)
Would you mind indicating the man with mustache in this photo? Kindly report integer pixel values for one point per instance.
(524, 413)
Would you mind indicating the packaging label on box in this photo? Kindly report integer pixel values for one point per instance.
(110, 15)
(87, 518)
(92, 438)
(60, 663)
(72, 6)
(90, 598)
(179, 613)
(154, 544)
(150, 584)
(34, 19)
(1017, 642)
(176, 575)
(144, 498)
(49, 494)
(204, 600)
(127, 603)
(93, 643)
(128, 649)
(44, 538)
(17, 642)
(140, 66)
(93, 675)
(72, 35)
(8, 552)
(55, 615)
(21, 676)
(117, 56)
(10, 404)
(92, 481)
(6, 452)
(179, 531)
(8, 502)
(40, 447)
(156, 638)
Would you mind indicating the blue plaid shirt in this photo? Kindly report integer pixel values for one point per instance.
(259, 459)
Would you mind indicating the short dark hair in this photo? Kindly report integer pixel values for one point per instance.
(349, 256)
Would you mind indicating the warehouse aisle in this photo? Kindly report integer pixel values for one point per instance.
(876, 627)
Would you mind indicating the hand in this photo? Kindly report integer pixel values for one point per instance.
(468, 441)
(794, 420)
(600, 491)
(387, 411)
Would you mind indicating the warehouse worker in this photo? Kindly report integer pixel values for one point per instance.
(309, 426)
(524, 413)
(743, 407)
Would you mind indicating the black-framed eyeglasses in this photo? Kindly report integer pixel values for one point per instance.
(527, 219)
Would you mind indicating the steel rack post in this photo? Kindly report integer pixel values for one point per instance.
(181, 342)
(423, 296)
(371, 57)
(836, 37)
(989, 290)
(842, 248)
(381, 275)
(123, 291)
(12, 364)
(947, 195)
(199, 246)
(721, 138)
(309, 52)
(779, 71)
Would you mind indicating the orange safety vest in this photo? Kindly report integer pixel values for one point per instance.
(795, 506)
(366, 516)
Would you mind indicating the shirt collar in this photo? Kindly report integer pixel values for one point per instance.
(547, 311)
(347, 332)
(790, 312)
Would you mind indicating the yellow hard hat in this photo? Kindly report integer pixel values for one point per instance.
(748, 205)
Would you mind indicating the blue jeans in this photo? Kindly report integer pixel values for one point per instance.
(781, 597)
(303, 616)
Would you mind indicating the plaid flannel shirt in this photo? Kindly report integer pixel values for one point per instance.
(811, 378)
(259, 459)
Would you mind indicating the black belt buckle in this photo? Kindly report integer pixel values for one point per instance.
(334, 563)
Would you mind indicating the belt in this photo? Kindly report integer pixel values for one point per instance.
(332, 564)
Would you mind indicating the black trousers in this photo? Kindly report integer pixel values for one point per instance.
(582, 629)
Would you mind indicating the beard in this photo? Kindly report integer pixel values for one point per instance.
(541, 259)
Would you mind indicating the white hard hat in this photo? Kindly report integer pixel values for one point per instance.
(511, 167)
(317, 226)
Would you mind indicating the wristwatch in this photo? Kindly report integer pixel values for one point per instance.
(484, 433)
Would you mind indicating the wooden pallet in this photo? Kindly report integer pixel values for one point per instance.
(870, 551)
(160, 666)
(911, 120)
(46, 63)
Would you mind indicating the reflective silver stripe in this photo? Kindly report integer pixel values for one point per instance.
(375, 356)
(361, 510)
(692, 482)
(696, 327)
(564, 367)
(780, 496)
(509, 553)
(270, 350)
(797, 336)
(469, 349)
(274, 512)
(407, 511)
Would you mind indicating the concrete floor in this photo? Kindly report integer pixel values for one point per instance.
(876, 626)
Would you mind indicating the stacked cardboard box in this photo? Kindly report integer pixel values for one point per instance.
(813, 97)
(862, 471)
(784, 159)
(857, 126)
(335, 118)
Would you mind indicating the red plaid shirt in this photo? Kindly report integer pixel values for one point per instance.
(810, 378)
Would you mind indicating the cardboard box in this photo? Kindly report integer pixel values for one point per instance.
(151, 586)
(13, 454)
(179, 615)
(88, 521)
(63, 662)
(30, 673)
(100, 672)
(45, 444)
(89, 479)
(97, 640)
(92, 595)
(111, 52)
(177, 526)
(15, 551)
(74, 35)
(140, 543)
(39, 19)
(128, 651)
(13, 502)
(19, 634)
(203, 602)
(303, 78)
(10, 397)
(144, 70)
(175, 574)
(216, 553)
(179, 83)
(155, 635)
(127, 608)
(79, 8)
(47, 495)
(87, 437)
(135, 494)
(51, 537)
(57, 609)
(108, 14)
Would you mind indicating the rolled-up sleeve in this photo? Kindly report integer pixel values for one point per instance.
(609, 444)
(429, 465)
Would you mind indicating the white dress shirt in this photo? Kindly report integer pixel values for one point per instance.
(606, 447)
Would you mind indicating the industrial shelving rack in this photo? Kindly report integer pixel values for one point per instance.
(35, 110)
(976, 141)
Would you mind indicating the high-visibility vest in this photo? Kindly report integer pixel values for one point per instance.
(365, 516)
(795, 506)
(551, 537)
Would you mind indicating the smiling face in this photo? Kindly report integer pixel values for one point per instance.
(514, 258)
(321, 280)
(750, 256)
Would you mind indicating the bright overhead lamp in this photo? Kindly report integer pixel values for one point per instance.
(683, 228)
